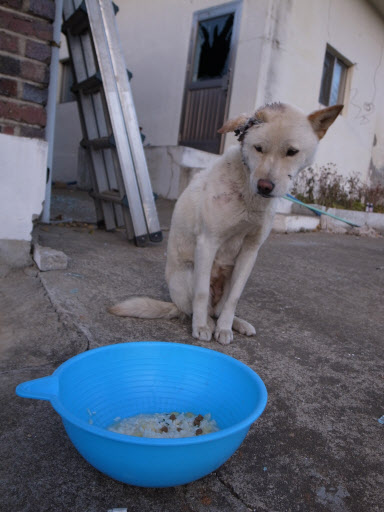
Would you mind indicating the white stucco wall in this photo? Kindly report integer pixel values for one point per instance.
(355, 30)
(376, 171)
(68, 132)
(23, 170)
(67, 142)
(279, 57)
(155, 37)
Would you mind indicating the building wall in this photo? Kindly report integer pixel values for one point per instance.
(25, 53)
(68, 134)
(155, 37)
(67, 143)
(356, 31)
(23, 164)
(376, 168)
(279, 57)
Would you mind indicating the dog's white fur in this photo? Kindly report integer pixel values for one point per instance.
(222, 218)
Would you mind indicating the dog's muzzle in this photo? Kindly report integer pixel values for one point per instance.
(265, 187)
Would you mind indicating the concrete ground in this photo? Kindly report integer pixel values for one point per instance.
(317, 303)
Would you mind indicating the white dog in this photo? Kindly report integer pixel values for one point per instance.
(225, 214)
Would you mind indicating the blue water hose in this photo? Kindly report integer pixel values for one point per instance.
(318, 211)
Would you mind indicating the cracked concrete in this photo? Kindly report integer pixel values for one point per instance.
(316, 301)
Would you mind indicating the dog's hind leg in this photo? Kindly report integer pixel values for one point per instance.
(211, 324)
(180, 284)
(243, 327)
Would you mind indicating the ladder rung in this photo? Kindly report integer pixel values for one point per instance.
(99, 143)
(109, 195)
(93, 84)
(78, 22)
(114, 197)
(89, 85)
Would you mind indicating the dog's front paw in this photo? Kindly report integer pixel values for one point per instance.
(203, 333)
(224, 336)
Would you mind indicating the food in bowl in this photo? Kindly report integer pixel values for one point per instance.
(165, 425)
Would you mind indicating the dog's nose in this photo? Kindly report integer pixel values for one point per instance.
(265, 187)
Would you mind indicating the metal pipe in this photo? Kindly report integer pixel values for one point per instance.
(51, 105)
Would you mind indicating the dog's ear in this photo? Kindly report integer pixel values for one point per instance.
(234, 124)
(322, 119)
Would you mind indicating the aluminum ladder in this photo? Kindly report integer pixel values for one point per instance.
(120, 180)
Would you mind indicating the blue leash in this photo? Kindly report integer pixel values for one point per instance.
(318, 211)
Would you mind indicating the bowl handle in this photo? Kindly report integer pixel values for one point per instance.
(45, 388)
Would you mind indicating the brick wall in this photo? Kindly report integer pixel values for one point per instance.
(25, 55)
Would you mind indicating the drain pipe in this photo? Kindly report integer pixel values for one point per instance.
(51, 105)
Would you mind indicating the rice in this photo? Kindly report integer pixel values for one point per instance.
(165, 425)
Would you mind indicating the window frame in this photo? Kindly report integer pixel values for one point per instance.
(328, 77)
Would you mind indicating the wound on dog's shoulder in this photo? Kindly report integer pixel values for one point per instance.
(224, 197)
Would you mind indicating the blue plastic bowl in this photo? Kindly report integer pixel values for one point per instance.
(147, 377)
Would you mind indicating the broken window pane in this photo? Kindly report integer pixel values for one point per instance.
(213, 47)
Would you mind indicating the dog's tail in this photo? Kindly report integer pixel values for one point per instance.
(144, 307)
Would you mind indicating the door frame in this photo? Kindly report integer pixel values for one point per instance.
(201, 15)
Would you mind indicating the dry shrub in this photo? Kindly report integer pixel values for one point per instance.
(325, 186)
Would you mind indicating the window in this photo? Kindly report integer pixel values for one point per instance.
(334, 78)
(66, 82)
(213, 46)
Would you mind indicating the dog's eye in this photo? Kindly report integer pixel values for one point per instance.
(259, 149)
(292, 151)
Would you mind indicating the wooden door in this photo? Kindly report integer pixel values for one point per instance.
(208, 78)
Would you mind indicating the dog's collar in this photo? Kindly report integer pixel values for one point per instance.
(242, 129)
(243, 159)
